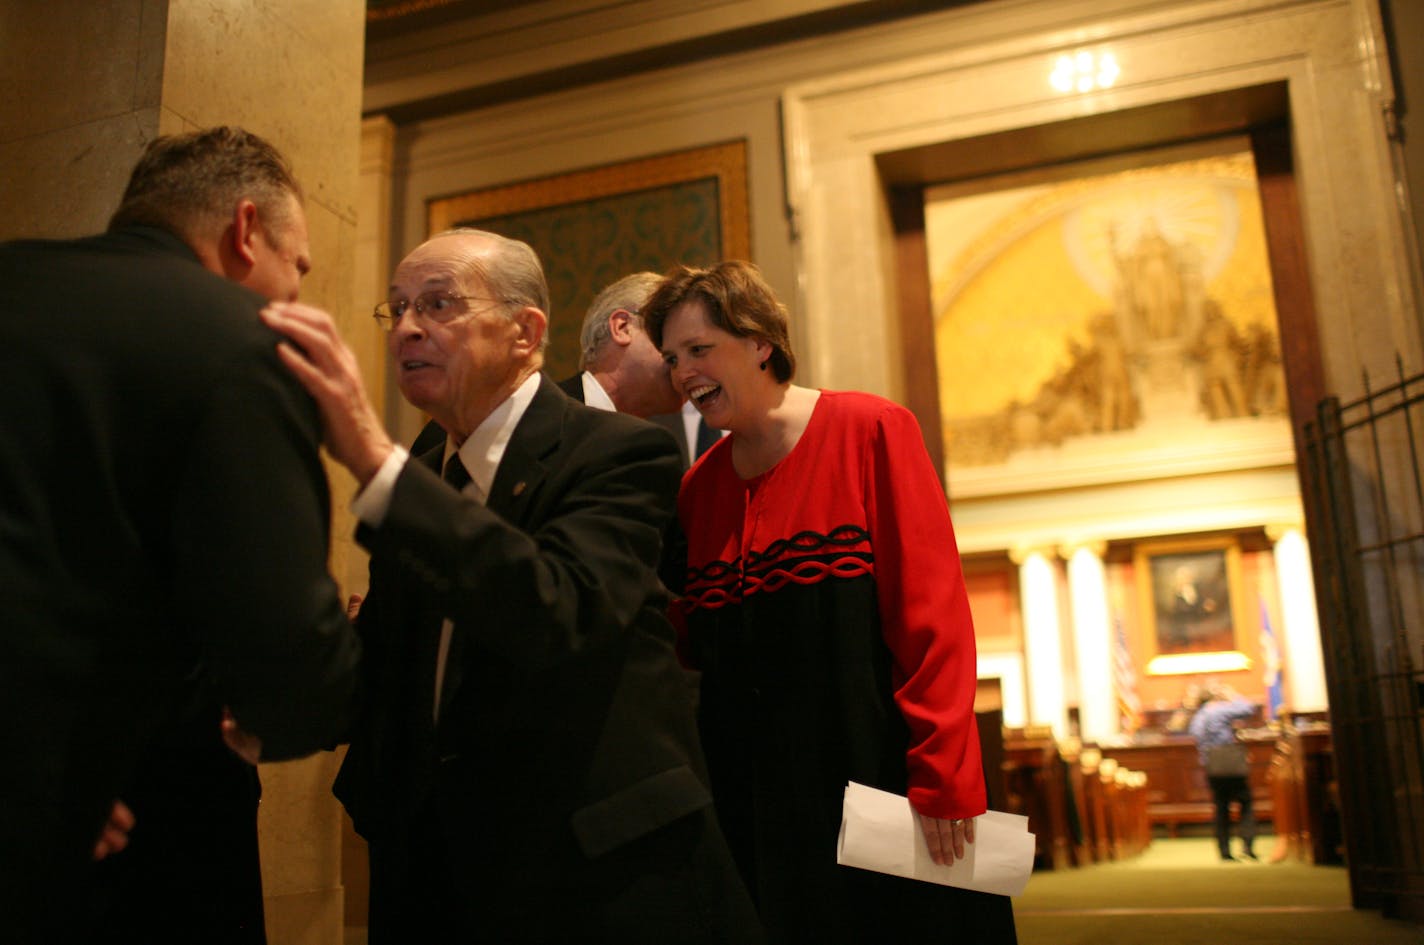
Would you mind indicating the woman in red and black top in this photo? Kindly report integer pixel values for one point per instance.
(825, 607)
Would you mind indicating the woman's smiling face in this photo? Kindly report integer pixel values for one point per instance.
(718, 371)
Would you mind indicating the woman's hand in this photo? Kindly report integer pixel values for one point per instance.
(946, 838)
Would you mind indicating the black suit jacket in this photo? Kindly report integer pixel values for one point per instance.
(573, 386)
(671, 422)
(163, 519)
(566, 774)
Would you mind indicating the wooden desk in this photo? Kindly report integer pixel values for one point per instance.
(1177, 790)
(1303, 777)
(1035, 785)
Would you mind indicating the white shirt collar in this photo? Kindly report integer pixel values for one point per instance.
(594, 395)
(484, 448)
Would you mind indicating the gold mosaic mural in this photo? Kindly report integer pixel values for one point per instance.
(1102, 304)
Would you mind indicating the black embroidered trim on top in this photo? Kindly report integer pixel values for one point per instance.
(807, 542)
(788, 560)
(809, 570)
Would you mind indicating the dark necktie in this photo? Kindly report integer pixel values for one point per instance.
(458, 477)
(455, 473)
(706, 436)
(427, 653)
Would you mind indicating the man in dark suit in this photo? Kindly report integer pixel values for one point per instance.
(623, 370)
(165, 511)
(526, 767)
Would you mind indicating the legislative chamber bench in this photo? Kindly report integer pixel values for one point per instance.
(1094, 802)
(1177, 791)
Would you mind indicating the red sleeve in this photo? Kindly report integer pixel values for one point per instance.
(925, 618)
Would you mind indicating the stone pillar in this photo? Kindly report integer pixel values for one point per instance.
(84, 83)
(1092, 633)
(1038, 595)
(1304, 668)
(372, 278)
(90, 84)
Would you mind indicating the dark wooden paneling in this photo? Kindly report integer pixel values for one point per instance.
(916, 317)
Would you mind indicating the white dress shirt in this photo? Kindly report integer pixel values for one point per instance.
(594, 395)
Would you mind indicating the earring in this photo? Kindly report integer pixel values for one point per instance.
(761, 366)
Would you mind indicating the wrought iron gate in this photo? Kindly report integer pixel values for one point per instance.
(1364, 487)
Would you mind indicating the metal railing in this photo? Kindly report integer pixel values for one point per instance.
(1364, 488)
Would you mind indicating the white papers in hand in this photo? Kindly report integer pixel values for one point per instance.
(880, 832)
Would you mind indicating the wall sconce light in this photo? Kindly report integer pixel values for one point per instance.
(1083, 71)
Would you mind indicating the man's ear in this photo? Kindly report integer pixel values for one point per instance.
(532, 325)
(246, 230)
(620, 327)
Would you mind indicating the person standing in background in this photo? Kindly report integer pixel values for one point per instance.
(1226, 763)
(620, 368)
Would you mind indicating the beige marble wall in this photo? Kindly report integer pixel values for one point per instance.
(72, 122)
(374, 260)
(87, 85)
(371, 278)
(290, 71)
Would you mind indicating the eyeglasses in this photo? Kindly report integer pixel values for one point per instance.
(439, 307)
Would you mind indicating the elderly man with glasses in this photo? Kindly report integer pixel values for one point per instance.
(619, 367)
(525, 767)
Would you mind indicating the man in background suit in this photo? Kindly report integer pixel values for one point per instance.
(525, 767)
(623, 370)
(165, 512)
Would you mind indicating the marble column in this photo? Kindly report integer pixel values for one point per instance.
(1304, 665)
(1092, 635)
(99, 81)
(1043, 648)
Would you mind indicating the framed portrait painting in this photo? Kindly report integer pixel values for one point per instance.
(1192, 604)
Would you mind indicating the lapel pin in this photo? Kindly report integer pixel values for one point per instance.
(518, 488)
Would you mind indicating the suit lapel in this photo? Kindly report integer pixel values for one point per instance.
(522, 468)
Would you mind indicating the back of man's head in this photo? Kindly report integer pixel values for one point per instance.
(627, 294)
(188, 184)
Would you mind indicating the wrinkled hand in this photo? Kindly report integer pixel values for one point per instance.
(946, 838)
(115, 833)
(327, 368)
(240, 742)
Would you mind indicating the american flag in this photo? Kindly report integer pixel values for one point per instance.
(1271, 663)
(1124, 679)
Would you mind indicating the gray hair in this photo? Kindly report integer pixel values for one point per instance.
(627, 294)
(512, 272)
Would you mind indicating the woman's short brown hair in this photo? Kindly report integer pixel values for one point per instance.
(737, 300)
